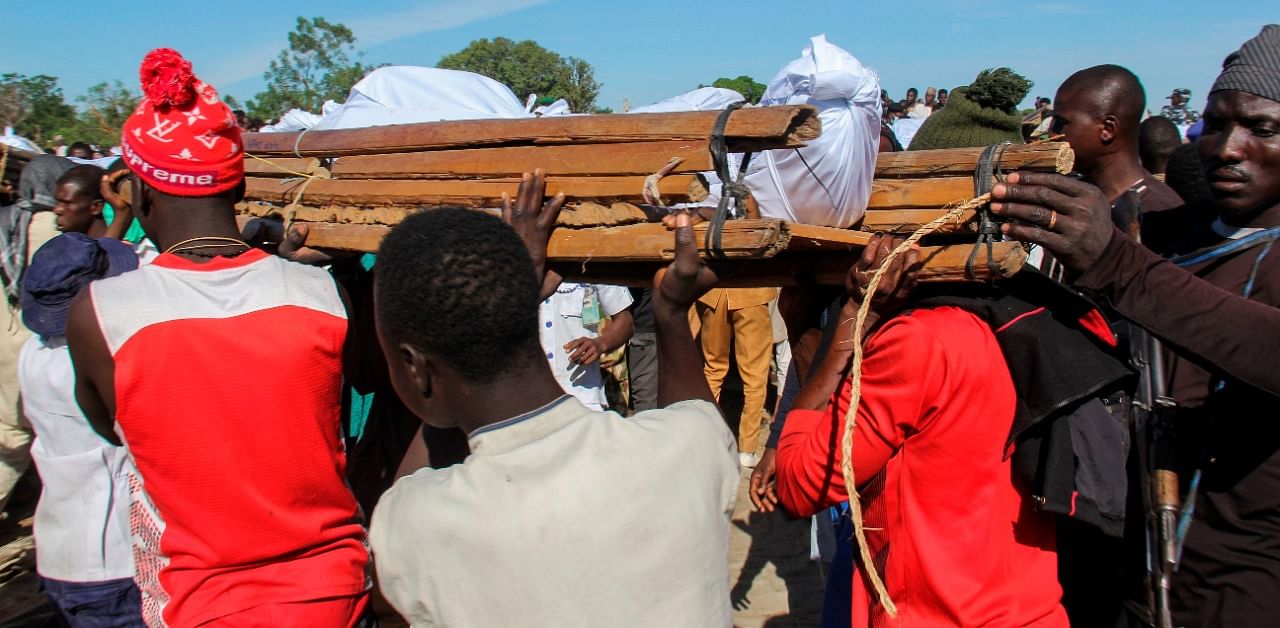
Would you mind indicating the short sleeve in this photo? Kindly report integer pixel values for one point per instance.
(613, 299)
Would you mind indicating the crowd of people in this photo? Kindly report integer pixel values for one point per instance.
(233, 432)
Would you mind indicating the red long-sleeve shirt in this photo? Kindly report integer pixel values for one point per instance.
(955, 541)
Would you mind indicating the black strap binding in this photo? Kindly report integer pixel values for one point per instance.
(984, 178)
(730, 190)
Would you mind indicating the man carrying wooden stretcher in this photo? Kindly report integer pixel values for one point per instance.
(1215, 306)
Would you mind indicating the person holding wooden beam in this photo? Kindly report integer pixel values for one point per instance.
(562, 515)
(1216, 306)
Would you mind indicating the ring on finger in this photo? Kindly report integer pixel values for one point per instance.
(1053, 220)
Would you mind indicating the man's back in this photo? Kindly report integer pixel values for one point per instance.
(568, 517)
(956, 541)
(227, 378)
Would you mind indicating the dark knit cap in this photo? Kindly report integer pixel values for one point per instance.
(1255, 67)
(980, 114)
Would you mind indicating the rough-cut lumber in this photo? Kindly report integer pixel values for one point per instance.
(1050, 157)
(910, 193)
(576, 215)
(747, 129)
(629, 158)
(908, 220)
(944, 263)
(770, 252)
(631, 243)
(483, 193)
(280, 167)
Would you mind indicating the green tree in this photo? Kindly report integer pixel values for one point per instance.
(316, 67)
(34, 106)
(528, 68)
(745, 85)
(106, 106)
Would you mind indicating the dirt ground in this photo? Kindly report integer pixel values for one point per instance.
(775, 585)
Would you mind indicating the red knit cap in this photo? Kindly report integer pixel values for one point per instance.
(182, 139)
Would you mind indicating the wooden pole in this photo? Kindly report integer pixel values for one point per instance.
(465, 193)
(1050, 157)
(910, 193)
(908, 220)
(630, 158)
(945, 263)
(280, 167)
(748, 129)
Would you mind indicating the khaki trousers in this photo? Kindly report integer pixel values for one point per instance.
(750, 332)
(15, 434)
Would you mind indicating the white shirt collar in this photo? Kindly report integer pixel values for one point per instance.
(1233, 233)
(516, 431)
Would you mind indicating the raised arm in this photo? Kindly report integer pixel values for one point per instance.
(675, 288)
(1215, 327)
(533, 217)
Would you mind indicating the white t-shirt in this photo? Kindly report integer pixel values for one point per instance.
(560, 322)
(568, 517)
(82, 519)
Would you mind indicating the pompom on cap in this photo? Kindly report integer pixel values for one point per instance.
(167, 78)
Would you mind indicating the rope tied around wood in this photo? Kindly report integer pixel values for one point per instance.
(314, 172)
(855, 384)
(650, 191)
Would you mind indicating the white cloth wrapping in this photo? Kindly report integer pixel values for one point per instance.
(557, 108)
(827, 182)
(19, 142)
(402, 94)
(701, 99)
(293, 120)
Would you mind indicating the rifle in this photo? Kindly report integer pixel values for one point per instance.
(1152, 410)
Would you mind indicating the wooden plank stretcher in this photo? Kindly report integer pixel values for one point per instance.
(747, 129)
(770, 252)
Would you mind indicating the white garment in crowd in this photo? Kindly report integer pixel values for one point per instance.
(560, 321)
(82, 519)
(905, 130)
(919, 111)
(568, 517)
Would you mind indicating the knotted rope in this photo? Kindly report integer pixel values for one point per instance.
(855, 374)
(650, 191)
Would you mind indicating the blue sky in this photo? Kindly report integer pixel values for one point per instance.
(646, 51)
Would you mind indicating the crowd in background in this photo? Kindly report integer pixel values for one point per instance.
(236, 432)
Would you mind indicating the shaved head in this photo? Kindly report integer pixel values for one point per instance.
(1104, 90)
(1099, 109)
